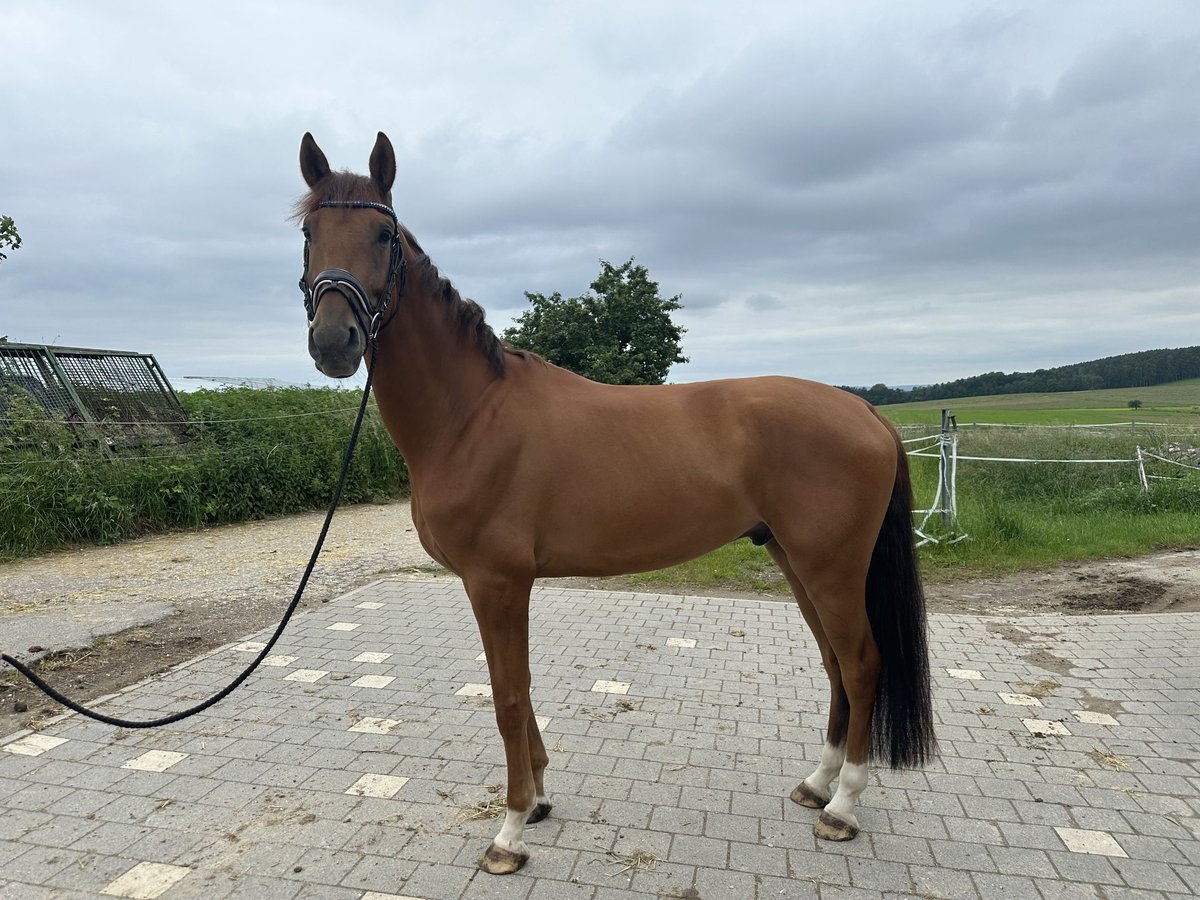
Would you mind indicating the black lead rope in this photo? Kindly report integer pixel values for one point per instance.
(225, 692)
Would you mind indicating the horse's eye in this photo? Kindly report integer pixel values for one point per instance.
(385, 237)
(307, 234)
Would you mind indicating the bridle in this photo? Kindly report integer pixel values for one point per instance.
(368, 315)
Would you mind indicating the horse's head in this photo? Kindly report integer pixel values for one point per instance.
(353, 257)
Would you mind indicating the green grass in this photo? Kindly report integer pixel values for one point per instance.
(740, 566)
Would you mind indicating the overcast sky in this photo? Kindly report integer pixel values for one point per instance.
(897, 192)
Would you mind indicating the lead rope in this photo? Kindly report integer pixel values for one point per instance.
(232, 686)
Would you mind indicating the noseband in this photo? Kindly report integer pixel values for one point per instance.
(368, 315)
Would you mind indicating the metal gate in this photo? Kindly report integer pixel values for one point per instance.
(122, 396)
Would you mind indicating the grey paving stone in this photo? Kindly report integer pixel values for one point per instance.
(698, 772)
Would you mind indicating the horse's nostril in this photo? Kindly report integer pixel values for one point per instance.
(352, 340)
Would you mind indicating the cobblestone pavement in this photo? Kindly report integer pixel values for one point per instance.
(677, 726)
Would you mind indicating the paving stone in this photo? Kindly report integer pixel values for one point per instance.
(250, 797)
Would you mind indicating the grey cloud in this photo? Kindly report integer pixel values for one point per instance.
(907, 195)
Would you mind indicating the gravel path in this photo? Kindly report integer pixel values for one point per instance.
(172, 596)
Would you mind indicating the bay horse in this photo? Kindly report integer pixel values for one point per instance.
(522, 470)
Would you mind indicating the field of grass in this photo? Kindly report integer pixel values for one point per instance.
(1178, 402)
(1029, 515)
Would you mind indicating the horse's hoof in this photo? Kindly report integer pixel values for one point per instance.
(807, 796)
(539, 812)
(833, 828)
(498, 861)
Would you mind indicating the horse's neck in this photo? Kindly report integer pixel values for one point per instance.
(429, 377)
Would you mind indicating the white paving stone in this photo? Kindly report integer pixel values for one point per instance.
(155, 761)
(482, 657)
(146, 880)
(681, 642)
(1045, 726)
(383, 786)
(307, 675)
(378, 895)
(611, 687)
(279, 660)
(251, 646)
(1087, 717)
(373, 681)
(370, 657)
(1019, 699)
(1080, 840)
(474, 690)
(543, 722)
(33, 744)
(966, 674)
(343, 626)
(372, 725)
(368, 604)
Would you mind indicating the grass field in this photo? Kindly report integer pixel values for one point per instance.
(1029, 515)
(1178, 402)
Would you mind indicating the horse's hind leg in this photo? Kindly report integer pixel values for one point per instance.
(834, 604)
(539, 759)
(841, 606)
(501, 607)
(814, 791)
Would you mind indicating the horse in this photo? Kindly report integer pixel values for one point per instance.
(523, 470)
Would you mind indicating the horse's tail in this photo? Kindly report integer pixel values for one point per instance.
(902, 726)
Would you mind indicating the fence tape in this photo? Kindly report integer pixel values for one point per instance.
(1074, 425)
(1015, 460)
(1173, 462)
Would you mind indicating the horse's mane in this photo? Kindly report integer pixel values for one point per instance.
(467, 315)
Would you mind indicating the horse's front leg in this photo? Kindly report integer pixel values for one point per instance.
(501, 606)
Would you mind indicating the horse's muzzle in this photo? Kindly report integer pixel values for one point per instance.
(336, 348)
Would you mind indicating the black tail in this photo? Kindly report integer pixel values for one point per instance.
(902, 726)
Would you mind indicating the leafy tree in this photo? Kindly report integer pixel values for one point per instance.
(1135, 404)
(8, 236)
(620, 334)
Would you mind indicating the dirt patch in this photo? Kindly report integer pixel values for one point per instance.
(1162, 582)
(1039, 689)
(1125, 594)
(1044, 659)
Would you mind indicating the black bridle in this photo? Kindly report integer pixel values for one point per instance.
(368, 315)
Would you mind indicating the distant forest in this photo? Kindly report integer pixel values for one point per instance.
(1150, 367)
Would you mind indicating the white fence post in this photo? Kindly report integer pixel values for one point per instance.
(1141, 463)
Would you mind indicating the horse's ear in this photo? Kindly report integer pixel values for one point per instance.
(313, 164)
(383, 165)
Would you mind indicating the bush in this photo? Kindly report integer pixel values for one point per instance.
(247, 454)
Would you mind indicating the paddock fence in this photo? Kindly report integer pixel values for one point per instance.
(1141, 453)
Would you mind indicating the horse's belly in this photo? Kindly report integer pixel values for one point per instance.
(618, 539)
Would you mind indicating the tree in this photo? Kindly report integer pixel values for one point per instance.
(620, 334)
(1135, 404)
(8, 236)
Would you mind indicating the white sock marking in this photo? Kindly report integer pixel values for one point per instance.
(851, 782)
(510, 836)
(831, 763)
